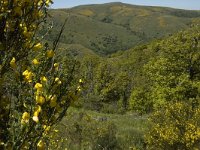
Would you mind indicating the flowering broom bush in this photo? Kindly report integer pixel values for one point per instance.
(174, 127)
(35, 92)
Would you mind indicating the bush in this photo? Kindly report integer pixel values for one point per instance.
(176, 126)
(35, 91)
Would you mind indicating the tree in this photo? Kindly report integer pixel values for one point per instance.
(174, 74)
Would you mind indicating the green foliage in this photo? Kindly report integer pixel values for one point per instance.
(174, 73)
(139, 101)
(174, 78)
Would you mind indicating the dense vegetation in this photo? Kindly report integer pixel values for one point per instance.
(160, 78)
(146, 97)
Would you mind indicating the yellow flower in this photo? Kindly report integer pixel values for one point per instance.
(54, 98)
(55, 65)
(38, 86)
(38, 46)
(39, 109)
(53, 102)
(27, 75)
(46, 128)
(57, 79)
(40, 99)
(35, 62)
(25, 117)
(48, 2)
(36, 114)
(25, 31)
(79, 88)
(13, 63)
(40, 145)
(80, 81)
(36, 119)
(44, 79)
(50, 53)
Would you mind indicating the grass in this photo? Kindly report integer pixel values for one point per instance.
(130, 127)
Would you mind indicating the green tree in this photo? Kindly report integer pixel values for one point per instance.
(174, 74)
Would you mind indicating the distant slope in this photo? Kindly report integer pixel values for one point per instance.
(107, 28)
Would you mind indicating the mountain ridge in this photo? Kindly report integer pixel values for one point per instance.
(108, 28)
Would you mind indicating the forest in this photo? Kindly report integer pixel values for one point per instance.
(111, 76)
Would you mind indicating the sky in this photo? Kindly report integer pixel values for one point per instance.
(182, 4)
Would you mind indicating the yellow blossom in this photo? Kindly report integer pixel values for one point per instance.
(53, 102)
(50, 53)
(48, 2)
(40, 145)
(38, 46)
(80, 80)
(36, 119)
(46, 128)
(36, 114)
(25, 117)
(44, 79)
(28, 76)
(40, 99)
(79, 88)
(38, 86)
(39, 109)
(57, 79)
(55, 65)
(13, 63)
(35, 62)
(25, 31)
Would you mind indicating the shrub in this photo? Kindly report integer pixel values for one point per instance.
(176, 126)
(35, 93)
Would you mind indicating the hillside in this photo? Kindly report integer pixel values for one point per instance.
(107, 28)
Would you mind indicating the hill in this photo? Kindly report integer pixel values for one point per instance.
(107, 28)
